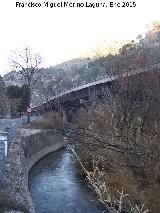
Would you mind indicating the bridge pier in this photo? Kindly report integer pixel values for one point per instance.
(65, 116)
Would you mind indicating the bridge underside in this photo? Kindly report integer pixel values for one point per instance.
(68, 105)
(86, 98)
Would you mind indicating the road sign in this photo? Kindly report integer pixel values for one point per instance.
(29, 110)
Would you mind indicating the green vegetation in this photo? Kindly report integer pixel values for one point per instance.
(18, 99)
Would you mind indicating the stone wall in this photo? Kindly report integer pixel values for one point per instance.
(25, 150)
(4, 102)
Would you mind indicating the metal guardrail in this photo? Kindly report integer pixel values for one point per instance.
(103, 79)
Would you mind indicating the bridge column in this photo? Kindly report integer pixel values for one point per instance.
(64, 116)
(63, 113)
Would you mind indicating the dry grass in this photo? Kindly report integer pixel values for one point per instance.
(136, 174)
(51, 120)
(124, 138)
(113, 202)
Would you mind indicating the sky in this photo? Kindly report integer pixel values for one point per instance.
(59, 34)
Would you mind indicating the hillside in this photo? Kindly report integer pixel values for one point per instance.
(52, 80)
(118, 59)
(79, 70)
(103, 48)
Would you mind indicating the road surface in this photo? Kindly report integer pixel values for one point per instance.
(6, 123)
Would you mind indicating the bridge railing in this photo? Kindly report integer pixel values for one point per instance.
(77, 87)
(105, 78)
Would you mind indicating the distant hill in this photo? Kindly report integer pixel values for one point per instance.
(103, 48)
(71, 73)
(53, 79)
(74, 63)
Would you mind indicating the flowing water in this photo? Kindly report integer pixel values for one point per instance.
(55, 188)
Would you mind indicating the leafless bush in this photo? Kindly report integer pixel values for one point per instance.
(97, 180)
(51, 120)
(124, 134)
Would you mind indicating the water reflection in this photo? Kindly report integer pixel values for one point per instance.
(56, 189)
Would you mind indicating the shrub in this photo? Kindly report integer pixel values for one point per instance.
(123, 136)
(51, 120)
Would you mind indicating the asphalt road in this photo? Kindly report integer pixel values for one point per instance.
(5, 123)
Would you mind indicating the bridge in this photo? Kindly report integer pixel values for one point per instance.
(70, 101)
(30, 146)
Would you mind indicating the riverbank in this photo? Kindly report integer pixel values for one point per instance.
(25, 150)
(117, 171)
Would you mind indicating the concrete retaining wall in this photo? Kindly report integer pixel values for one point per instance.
(25, 150)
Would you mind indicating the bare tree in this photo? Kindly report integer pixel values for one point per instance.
(27, 63)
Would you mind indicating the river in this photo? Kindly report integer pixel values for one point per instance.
(55, 188)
